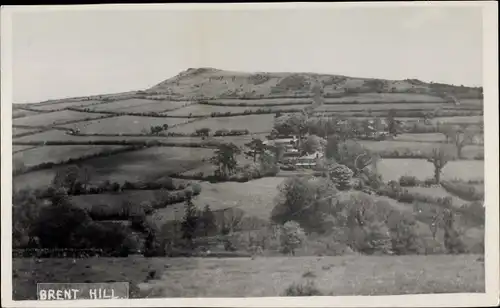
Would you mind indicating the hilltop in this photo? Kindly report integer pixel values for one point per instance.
(211, 84)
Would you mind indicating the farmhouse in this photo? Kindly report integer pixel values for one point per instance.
(309, 161)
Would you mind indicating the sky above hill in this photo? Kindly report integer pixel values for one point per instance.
(59, 54)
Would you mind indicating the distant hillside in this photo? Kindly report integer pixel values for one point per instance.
(211, 83)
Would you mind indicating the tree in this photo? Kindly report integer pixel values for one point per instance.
(190, 222)
(57, 223)
(225, 158)
(306, 201)
(256, 147)
(439, 157)
(207, 221)
(404, 238)
(25, 211)
(291, 237)
(341, 176)
(203, 131)
(391, 122)
(68, 178)
(452, 241)
(355, 156)
(278, 152)
(460, 136)
(313, 144)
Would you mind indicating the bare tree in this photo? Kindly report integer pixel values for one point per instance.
(439, 157)
(460, 136)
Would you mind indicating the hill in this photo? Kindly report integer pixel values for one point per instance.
(211, 83)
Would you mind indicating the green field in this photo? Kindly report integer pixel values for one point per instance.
(218, 277)
(437, 192)
(377, 107)
(451, 120)
(255, 197)
(254, 123)
(386, 97)
(56, 154)
(427, 137)
(469, 151)
(19, 130)
(394, 168)
(54, 118)
(123, 125)
(22, 113)
(138, 105)
(141, 165)
(207, 110)
(60, 105)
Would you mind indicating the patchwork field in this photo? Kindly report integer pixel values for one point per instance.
(469, 151)
(140, 165)
(61, 105)
(18, 130)
(254, 123)
(140, 105)
(18, 113)
(393, 169)
(385, 98)
(377, 107)
(123, 125)
(429, 137)
(265, 101)
(207, 110)
(437, 192)
(255, 197)
(54, 118)
(451, 120)
(117, 200)
(219, 277)
(56, 154)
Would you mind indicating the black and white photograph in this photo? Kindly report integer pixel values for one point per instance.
(178, 154)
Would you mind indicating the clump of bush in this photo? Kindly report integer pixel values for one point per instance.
(409, 181)
(303, 289)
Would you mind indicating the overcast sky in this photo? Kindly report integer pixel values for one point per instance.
(63, 54)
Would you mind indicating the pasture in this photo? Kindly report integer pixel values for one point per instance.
(452, 120)
(140, 105)
(18, 113)
(207, 110)
(123, 125)
(424, 148)
(117, 200)
(255, 197)
(394, 168)
(56, 154)
(426, 137)
(63, 104)
(437, 192)
(264, 101)
(148, 164)
(377, 107)
(55, 118)
(231, 277)
(19, 130)
(254, 123)
(141, 165)
(367, 98)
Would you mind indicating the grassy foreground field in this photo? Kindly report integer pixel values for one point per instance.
(213, 277)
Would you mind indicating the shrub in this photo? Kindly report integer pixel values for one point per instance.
(341, 175)
(430, 182)
(408, 181)
(292, 236)
(299, 289)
